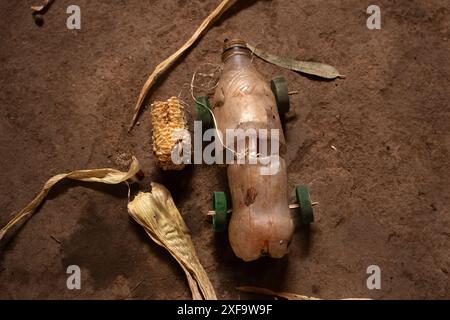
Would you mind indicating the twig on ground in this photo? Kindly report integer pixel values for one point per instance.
(166, 64)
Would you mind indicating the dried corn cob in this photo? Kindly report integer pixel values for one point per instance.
(169, 132)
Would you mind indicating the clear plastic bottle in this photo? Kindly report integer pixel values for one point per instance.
(261, 223)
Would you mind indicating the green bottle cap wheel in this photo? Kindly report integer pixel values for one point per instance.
(281, 92)
(304, 199)
(203, 113)
(220, 206)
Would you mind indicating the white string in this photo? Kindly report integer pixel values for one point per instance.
(234, 152)
(211, 112)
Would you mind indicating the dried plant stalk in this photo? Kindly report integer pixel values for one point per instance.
(268, 292)
(313, 68)
(162, 221)
(169, 132)
(284, 295)
(163, 66)
(106, 175)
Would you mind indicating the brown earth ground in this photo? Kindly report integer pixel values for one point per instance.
(384, 191)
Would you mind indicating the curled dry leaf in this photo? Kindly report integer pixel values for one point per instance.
(284, 295)
(105, 175)
(313, 68)
(43, 7)
(157, 214)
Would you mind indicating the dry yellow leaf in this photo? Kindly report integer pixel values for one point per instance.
(157, 214)
(106, 175)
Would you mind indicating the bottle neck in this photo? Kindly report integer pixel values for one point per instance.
(237, 57)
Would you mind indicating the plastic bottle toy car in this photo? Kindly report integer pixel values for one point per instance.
(260, 222)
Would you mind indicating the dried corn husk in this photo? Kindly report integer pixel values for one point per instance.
(284, 295)
(162, 221)
(170, 132)
(106, 175)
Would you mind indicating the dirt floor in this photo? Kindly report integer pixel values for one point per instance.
(373, 147)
